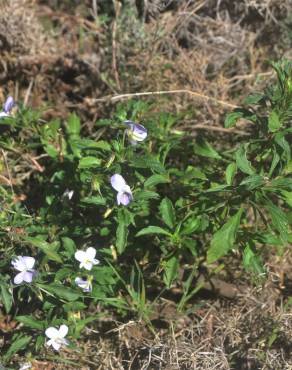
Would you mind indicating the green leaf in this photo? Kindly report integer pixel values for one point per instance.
(31, 322)
(7, 298)
(61, 291)
(242, 162)
(230, 173)
(145, 195)
(191, 225)
(47, 248)
(155, 180)
(94, 200)
(283, 143)
(275, 161)
(88, 162)
(153, 230)
(73, 126)
(148, 161)
(253, 99)
(251, 261)
(224, 238)
(232, 118)
(121, 235)
(279, 220)
(69, 245)
(274, 122)
(170, 270)
(167, 212)
(253, 182)
(20, 342)
(204, 149)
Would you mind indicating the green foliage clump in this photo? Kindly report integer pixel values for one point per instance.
(193, 203)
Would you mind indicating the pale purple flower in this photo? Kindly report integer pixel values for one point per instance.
(24, 264)
(7, 107)
(86, 258)
(136, 132)
(124, 195)
(84, 284)
(57, 337)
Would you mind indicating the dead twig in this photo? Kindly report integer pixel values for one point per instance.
(114, 98)
(214, 128)
(117, 6)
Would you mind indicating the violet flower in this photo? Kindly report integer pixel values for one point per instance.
(124, 195)
(86, 258)
(25, 266)
(7, 107)
(136, 132)
(84, 284)
(57, 337)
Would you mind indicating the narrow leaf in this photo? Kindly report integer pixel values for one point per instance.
(242, 162)
(167, 212)
(153, 230)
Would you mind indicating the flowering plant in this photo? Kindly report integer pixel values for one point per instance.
(194, 202)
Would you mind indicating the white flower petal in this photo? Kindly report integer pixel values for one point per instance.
(118, 182)
(87, 265)
(52, 333)
(3, 114)
(90, 253)
(18, 263)
(56, 345)
(28, 276)
(80, 255)
(28, 261)
(63, 331)
(18, 279)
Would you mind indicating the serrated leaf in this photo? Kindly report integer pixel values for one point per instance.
(31, 322)
(145, 195)
(69, 245)
(167, 212)
(153, 230)
(274, 122)
(73, 125)
(251, 261)
(253, 182)
(232, 118)
(230, 173)
(170, 270)
(223, 240)
(148, 161)
(204, 149)
(275, 161)
(7, 298)
(279, 220)
(242, 162)
(155, 180)
(121, 236)
(89, 162)
(95, 200)
(253, 99)
(19, 343)
(60, 290)
(47, 248)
